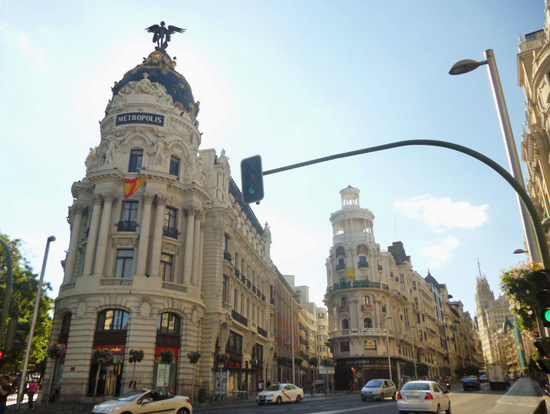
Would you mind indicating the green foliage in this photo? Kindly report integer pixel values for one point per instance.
(517, 284)
(23, 296)
(298, 361)
(313, 362)
(422, 370)
(194, 357)
(283, 361)
(135, 355)
(408, 369)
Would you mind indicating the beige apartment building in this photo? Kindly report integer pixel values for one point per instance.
(382, 314)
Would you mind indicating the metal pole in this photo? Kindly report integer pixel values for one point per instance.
(388, 347)
(7, 292)
(292, 339)
(511, 149)
(33, 324)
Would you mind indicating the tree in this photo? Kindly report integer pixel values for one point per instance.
(408, 369)
(24, 288)
(422, 370)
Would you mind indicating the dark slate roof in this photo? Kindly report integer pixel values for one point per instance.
(398, 252)
(161, 68)
(430, 279)
(236, 192)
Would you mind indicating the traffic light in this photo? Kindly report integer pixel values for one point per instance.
(541, 279)
(543, 346)
(252, 179)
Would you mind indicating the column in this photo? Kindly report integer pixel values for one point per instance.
(157, 236)
(92, 236)
(196, 248)
(188, 252)
(201, 256)
(73, 245)
(103, 238)
(145, 226)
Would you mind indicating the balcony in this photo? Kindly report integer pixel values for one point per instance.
(239, 318)
(171, 232)
(357, 284)
(341, 266)
(343, 309)
(358, 332)
(367, 307)
(362, 264)
(126, 225)
(237, 272)
(262, 332)
(227, 256)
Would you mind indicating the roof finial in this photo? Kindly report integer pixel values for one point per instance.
(162, 34)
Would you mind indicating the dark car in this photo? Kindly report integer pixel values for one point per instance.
(471, 383)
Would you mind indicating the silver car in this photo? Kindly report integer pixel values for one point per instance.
(378, 389)
(425, 396)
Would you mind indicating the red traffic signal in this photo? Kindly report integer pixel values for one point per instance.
(2, 354)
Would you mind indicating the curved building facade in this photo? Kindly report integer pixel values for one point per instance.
(164, 257)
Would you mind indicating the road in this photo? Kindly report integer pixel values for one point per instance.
(521, 398)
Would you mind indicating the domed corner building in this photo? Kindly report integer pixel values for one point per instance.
(164, 257)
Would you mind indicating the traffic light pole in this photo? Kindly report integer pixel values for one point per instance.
(533, 214)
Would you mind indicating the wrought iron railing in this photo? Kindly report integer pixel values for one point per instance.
(239, 318)
(171, 232)
(126, 225)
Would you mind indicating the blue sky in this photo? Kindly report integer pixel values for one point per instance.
(291, 81)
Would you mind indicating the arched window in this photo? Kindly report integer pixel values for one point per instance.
(169, 323)
(367, 323)
(112, 320)
(345, 324)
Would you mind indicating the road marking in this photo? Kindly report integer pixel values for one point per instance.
(349, 410)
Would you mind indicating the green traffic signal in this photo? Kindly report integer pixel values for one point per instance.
(252, 179)
(546, 315)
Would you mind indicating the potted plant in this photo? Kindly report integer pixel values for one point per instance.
(100, 357)
(55, 352)
(135, 356)
(193, 359)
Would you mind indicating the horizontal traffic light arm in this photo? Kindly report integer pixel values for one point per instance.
(539, 231)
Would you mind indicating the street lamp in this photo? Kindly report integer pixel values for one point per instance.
(295, 295)
(465, 66)
(33, 323)
(388, 346)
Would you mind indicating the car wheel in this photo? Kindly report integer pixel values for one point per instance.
(183, 411)
(260, 403)
(449, 408)
(298, 399)
(363, 398)
(279, 400)
(438, 410)
(382, 397)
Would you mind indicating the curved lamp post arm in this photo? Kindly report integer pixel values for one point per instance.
(535, 219)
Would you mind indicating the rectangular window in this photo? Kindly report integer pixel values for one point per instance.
(225, 289)
(166, 266)
(175, 166)
(128, 218)
(170, 222)
(344, 346)
(124, 261)
(362, 261)
(136, 160)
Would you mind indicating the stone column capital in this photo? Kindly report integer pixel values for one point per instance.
(161, 200)
(148, 198)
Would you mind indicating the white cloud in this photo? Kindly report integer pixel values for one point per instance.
(442, 213)
(436, 255)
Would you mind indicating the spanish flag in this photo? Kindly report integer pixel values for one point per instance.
(130, 186)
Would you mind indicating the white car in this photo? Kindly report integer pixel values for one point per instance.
(280, 393)
(145, 401)
(378, 389)
(423, 396)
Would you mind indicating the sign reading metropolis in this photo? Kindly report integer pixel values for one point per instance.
(140, 118)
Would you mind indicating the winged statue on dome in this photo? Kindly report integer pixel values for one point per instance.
(162, 34)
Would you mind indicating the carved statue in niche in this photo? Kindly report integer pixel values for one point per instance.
(161, 152)
(111, 156)
(223, 159)
(190, 167)
(91, 160)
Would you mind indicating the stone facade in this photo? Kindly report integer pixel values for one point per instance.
(378, 306)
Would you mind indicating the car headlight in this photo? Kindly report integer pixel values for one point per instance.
(106, 409)
(270, 395)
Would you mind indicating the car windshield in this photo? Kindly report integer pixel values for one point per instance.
(470, 380)
(373, 384)
(416, 386)
(130, 395)
(274, 387)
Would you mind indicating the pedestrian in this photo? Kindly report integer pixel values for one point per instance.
(31, 390)
(5, 390)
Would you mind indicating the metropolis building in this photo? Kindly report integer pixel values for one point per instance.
(180, 264)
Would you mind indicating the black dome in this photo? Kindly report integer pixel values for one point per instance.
(161, 68)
